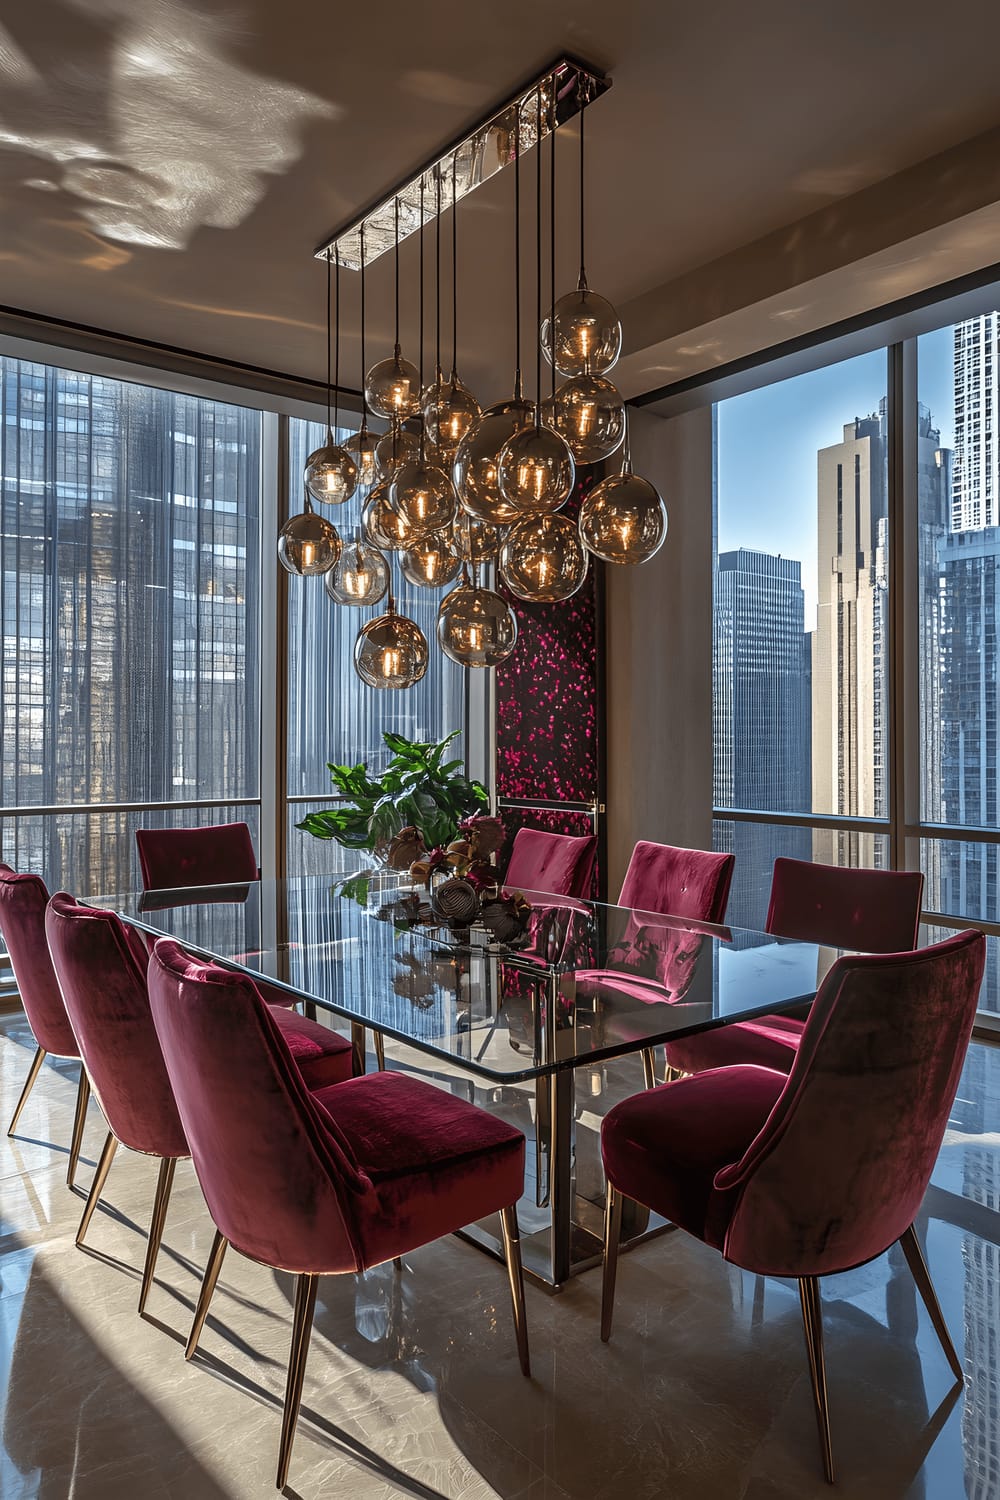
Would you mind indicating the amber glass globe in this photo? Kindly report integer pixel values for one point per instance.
(476, 541)
(423, 495)
(623, 519)
(588, 334)
(476, 627)
(450, 409)
(361, 446)
(536, 470)
(588, 411)
(308, 543)
(543, 559)
(393, 448)
(390, 652)
(477, 461)
(431, 562)
(359, 577)
(331, 475)
(382, 526)
(392, 388)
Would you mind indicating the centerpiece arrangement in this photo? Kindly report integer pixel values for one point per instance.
(423, 816)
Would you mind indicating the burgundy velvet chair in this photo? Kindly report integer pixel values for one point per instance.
(334, 1181)
(101, 966)
(654, 963)
(820, 1170)
(23, 899)
(870, 911)
(560, 864)
(222, 854)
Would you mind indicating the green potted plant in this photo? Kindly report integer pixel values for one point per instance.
(419, 790)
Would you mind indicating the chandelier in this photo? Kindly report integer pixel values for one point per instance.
(460, 494)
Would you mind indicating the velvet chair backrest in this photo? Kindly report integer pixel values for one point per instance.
(678, 882)
(561, 864)
(23, 899)
(871, 911)
(277, 1174)
(222, 854)
(838, 1171)
(101, 969)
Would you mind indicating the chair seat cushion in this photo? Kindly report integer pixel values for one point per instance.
(768, 1042)
(664, 1146)
(322, 1056)
(436, 1162)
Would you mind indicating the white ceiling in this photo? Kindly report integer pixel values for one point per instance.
(166, 169)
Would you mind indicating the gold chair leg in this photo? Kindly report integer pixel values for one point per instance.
(97, 1186)
(649, 1066)
(164, 1182)
(305, 1304)
(922, 1277)
(512, 1255)
(812, 1321)
(612, 1236)
(379, 1040)
(216, 1256)
(79, 1121)
(29, 1083)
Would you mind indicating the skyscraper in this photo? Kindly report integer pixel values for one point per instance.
(976, 488)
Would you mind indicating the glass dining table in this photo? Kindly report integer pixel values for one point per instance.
(544, 1028)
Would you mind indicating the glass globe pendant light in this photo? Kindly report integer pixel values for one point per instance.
(623, 519)
(430, 562)
(360, 576)
(476, 541)
(476, 627)
(543, 559)
(588, 411)
(583, 334)
(383, 527)
(331, 475)
(394, 448)
(392, 386)
(308, 543)
(449, 407)
(391, 651)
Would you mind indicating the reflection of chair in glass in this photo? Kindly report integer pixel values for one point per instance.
(335, 1181)
(222, 854)
(23, 900)
(869, 911)
(816, 1172)
(653, 963)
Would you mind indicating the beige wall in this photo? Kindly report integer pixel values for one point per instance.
(659, 656)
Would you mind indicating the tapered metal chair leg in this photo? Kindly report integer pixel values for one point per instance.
(649, 1066)
(812, 1321)
(164, 1182)
(305, 1305)
(515, 1275)
(922, 1277)
(79, 1121)
(29, 1083)
(216, 1256)
(97, 1186)
(379, 1041)
(612, 1236)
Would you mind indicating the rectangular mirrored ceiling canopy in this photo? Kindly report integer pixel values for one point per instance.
(482, 152)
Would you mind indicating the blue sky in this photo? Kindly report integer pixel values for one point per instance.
(769, 439)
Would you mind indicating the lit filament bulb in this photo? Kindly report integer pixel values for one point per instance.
(309, 555)
(585, 420)
(392, 662)
(544, 569)
(475, 638)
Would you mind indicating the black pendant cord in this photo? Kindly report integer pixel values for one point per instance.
(552, 239)
(454, 269)
(396, 217)
(423, 425)
(364, 398)
(517, 254)
(437, 280)
(329, 338)
(538, 256)
(336, 347)
(584, 101)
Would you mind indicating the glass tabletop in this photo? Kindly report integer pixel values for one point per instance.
(575, 983)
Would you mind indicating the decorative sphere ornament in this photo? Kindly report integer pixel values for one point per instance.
(536, 470)
(359, 577)
(331, 475)
(361, 446)
(588, 411)
(476, 627)
(393, 448)
(383, 527)
(623, 519)
(543, 559)
(423, 495)
(449, 409)
(430, 562)
(587, 333)
(476, 542)
(308, 543)
(391, 651)
(477, 461)
(392, 388)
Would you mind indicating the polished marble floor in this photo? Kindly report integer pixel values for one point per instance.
(412, 1386)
